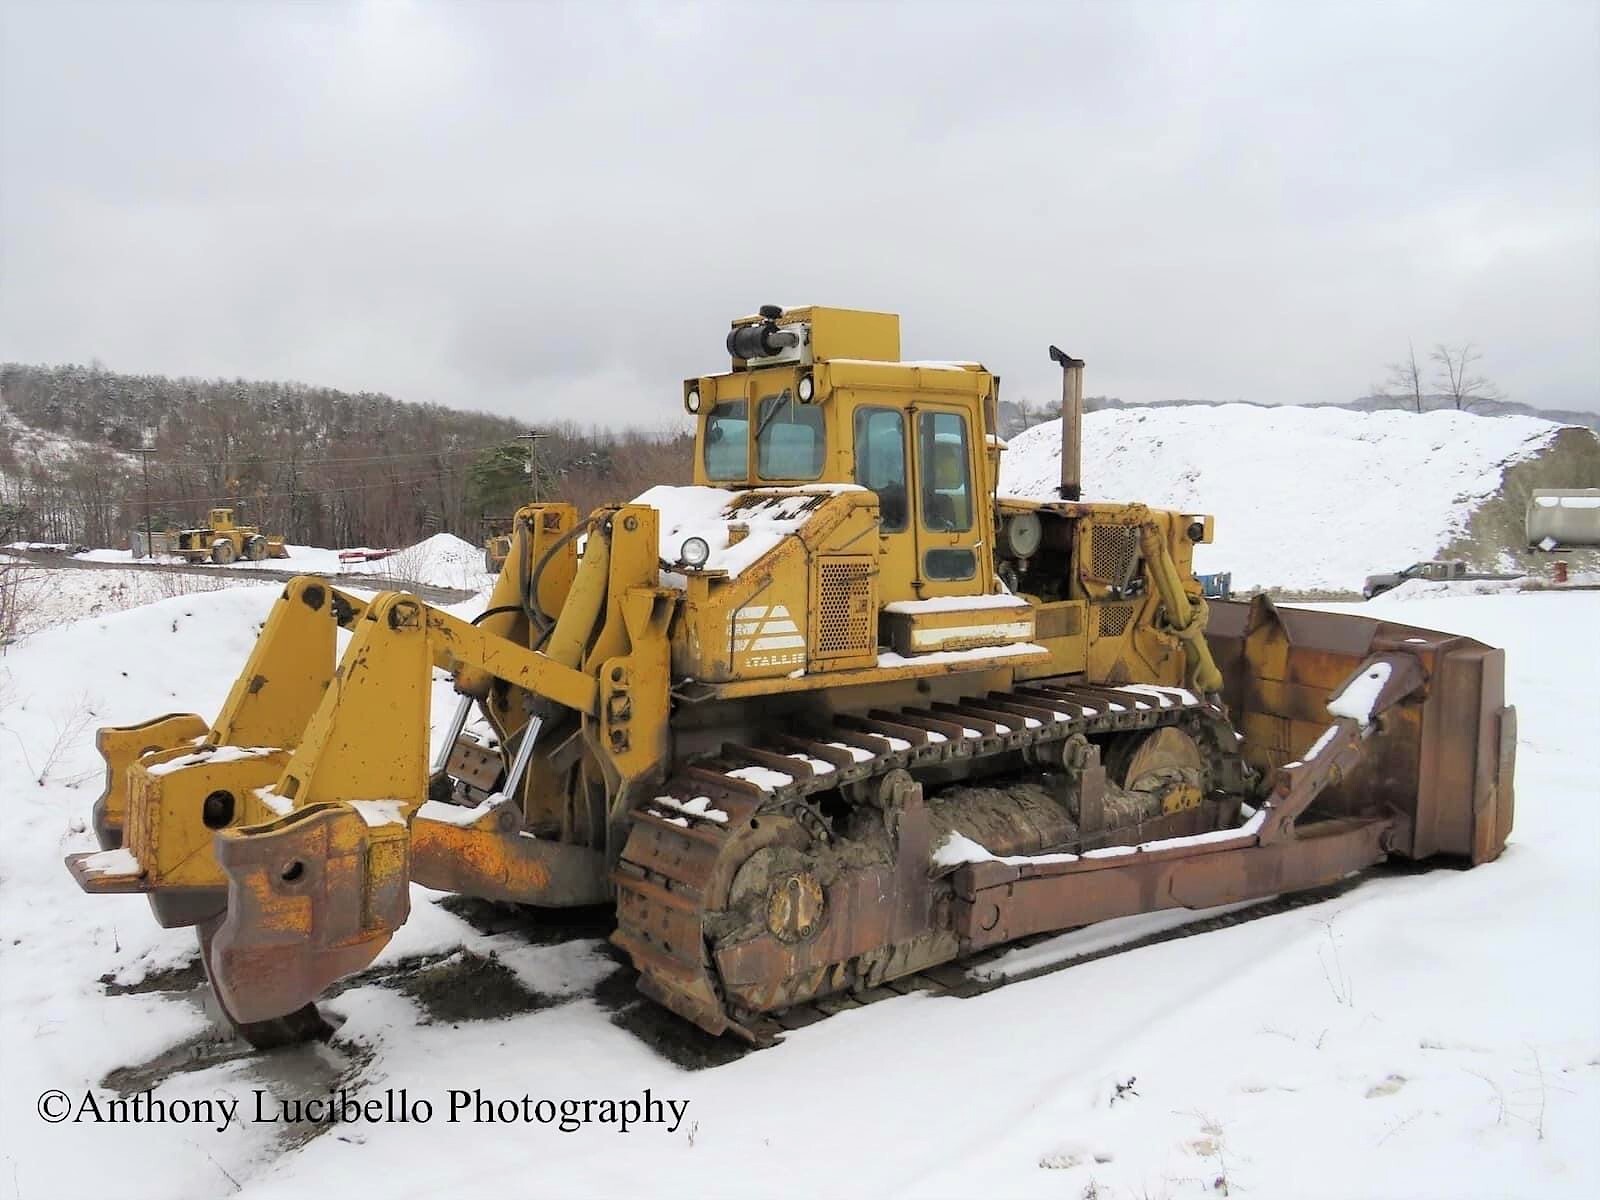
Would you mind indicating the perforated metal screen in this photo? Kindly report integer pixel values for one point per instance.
(845, 618)
(1111, 551)
(1114, 619)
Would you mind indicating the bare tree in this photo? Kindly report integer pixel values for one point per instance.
(1405, 377)
(1458, 378)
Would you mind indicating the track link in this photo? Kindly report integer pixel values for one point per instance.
(684, 845)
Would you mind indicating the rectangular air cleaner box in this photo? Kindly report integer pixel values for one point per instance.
(914, 627)
(840, 332)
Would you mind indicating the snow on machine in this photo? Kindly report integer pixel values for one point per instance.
(833, 716)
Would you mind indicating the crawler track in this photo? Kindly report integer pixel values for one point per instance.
(685, 845)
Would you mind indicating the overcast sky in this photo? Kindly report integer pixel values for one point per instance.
(554, 210)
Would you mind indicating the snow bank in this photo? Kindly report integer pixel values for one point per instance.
(51, 596)
(1305, 498)
(443, 560)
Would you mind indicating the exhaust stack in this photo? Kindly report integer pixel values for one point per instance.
(1071, 423)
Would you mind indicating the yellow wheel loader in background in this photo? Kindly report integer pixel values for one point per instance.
(221, 541)
(833, 715)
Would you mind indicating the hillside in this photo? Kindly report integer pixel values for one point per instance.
(321, 466)
(1317, 498)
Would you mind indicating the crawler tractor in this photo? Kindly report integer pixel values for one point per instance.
(835, 714)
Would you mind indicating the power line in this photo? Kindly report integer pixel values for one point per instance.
(253, 497)
(364, 458)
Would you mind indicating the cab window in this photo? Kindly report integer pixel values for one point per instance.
(727, 449)
(880, 446)
(946, 471)
(790, 439)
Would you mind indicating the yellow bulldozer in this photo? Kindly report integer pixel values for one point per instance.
(220, 541)
(835, 714)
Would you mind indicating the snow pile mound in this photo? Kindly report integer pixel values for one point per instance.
(443, 560)
(1304, 498)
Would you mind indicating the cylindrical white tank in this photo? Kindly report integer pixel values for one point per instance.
(1564, 517)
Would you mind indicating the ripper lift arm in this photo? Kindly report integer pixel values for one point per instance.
(299, 819)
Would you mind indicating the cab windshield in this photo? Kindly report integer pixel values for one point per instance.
(789, 438)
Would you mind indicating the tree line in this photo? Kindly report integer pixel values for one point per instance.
(1455, 381)
(321, 466)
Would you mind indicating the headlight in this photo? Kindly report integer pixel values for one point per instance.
(695, 552)
(691, 400)
(805, 389)
(1024, 533)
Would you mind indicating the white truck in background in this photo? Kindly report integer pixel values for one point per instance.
(1433, 569)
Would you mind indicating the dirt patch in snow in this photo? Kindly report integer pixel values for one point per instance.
(469, 987)
(186, 978)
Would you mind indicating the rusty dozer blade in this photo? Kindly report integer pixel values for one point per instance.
(311, 898)
(1440, 752)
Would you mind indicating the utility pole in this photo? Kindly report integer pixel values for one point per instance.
(533, 440)
(144, 452)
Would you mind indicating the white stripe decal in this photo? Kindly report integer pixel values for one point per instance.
(762, 610)
(768, 643)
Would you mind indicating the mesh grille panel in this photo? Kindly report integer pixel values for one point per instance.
(1114, 618)
(1111, 551)
(844, 607)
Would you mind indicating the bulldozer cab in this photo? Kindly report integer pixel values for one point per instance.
(221, 520)
(819, 397)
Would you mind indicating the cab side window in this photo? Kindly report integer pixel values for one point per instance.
(880, 448)
(728, 441)
(946, 472)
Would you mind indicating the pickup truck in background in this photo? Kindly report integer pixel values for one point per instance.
(1435, 569)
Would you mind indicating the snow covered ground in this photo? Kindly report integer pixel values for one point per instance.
(442, 560)
(1398, 484)
(1428, 1035)
(48, 595)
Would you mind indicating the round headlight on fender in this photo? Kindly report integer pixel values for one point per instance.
(695, 552)
(805, 389)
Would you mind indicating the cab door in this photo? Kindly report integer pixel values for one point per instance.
(951, 547)
(881, 445)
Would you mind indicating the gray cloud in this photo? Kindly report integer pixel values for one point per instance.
(553, 210)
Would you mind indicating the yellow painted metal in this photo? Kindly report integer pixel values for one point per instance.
(959, 629)
(277, 692)
(841, 332)
(368, 738)
(168, 833)
(1186, 613)
(577, 621)
(341, 777)
(123, 745)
